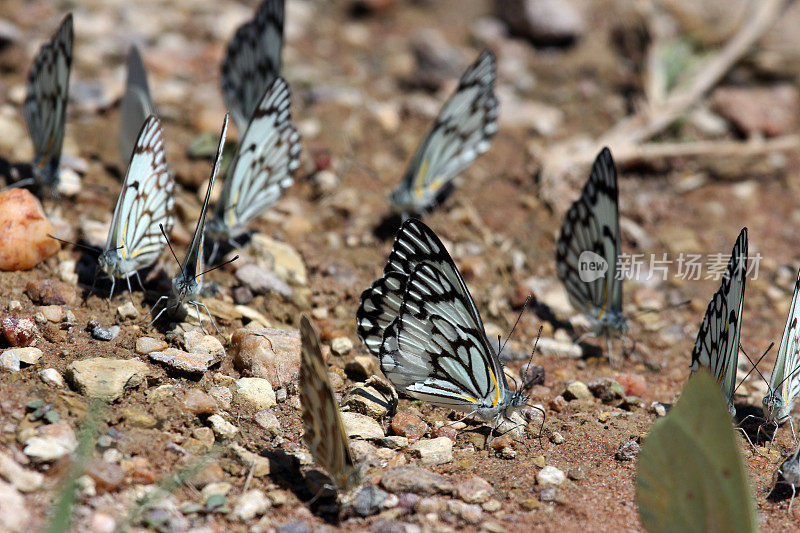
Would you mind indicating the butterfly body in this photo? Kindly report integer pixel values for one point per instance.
(462, 131)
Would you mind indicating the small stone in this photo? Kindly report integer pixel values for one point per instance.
(548, 494)
(628, 451)
(50, 292)
(280, 258)
(769, 111)
(474, 490)
(191, 363)
(558, 404)
(204, 435)
(557, 438)
(361, 426)
(53, 313)
(260, 466)
(107, 476)
(576, 473)
(127, 310)
(14, 514)
(218, 488)
(251, 504)
(145, 345)
(375, 398)
(471, 514)
(577, 390)
(634, 384)
(196, 342)
(544, 22)
(433, 452)
(9, 361)
(268, 421)
(199, 403)
(254, 393)
(324, 182)
(446, 431)
(361, 367)
(29, 355)
(51, 442)
(222, 395)
(553, 347)
(106, 378)
(262, 281)
(23, 479)
(607, 390)
(409, 425)
(52, 377)
(393, 442)
(550, 475)
(24, 242)
(269, 353)
(102, 334)
(416, 480)
(19, 332)
(243, 295)
(222, 428)
(659, 409)
(369, 500)
(341, 346)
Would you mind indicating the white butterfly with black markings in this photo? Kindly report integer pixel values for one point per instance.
(45, 107)
(717, 344)
(462, 132)
(136, 104)
(590, 236)
(784, 383)
(144, 205)
(421, 322)
(188, 281)
(253, 61)
(262, 168)
(325, 435)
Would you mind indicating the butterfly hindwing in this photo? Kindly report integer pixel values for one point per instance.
(324, 431)
(462, 131)
(136, 104)
(45, 105)
(253, 61)
(784, 384)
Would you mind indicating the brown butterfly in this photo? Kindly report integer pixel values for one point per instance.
(324, 430)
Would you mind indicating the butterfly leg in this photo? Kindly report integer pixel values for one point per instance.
(791, 426)
(197, 306)
(155, 305)
(111, 294)
(139, 279)
(792, 500)
(751, 442)
(612, 361)
(130, 291)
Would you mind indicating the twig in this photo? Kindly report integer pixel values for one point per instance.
(657, 150)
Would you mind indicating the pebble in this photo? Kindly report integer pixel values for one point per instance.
(106, 378)
(471, 514)
(107, 476)
(127, 310)
(251, 504)
(634, 384)
(196, 342)
(437, 61)
(361, 426)
(553, 347)
(9, 361)
(659, 409)
(769, 111)
(375, 398)
(102, 334)
(24, 480)
(23, 231)
(361, 367)
(409, 425)
(341, 346)
(223, 396)
(269, 353)
(267, 420)
(145, 345)
(219, 488)
(628, 451)
(548, 494)
(433, 452)
(50, 292)
(280, 258)
(295, 526)
(51, 442)
(53, 313)
(262, 281)
(369, 500)
(550, 475)
(393, 442)
(254, 393)
(416, 480)
(199, 403)
(540, 118)
(261, 466)
(222, 428)
(544, 22)
(576, 473)
(52, 377)
(474, 489)
(29, 355)
(577, 390)
(607, 390)
(191, 363)
(15, 517)
(19, 331)
(557, 438)
(324, 182)
(242, 295)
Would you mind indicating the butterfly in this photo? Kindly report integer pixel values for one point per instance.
(462, 132)
(421, 322)
(136, 104)
(145, 203)
(253, 61)
(262, 168)
(188, 281)
(324, 431)
(784, 383)
(789, 474)
(45, 107)
(590, 238)
(717, 344)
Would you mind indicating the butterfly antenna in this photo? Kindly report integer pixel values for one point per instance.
(519, 317)
(229, 261)
(661, 309)
(533, 351)
(755, 365)
(164, 233)
(84, 246)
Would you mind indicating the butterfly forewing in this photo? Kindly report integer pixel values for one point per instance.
(324, 431)
(462, 132)
(262, 169)
(136, 104)
(592, 225)
(717, 344)
(253, 61)
(784, 382)
(46, 102)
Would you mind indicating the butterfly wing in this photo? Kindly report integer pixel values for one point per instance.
(145, 202)
(136, 104)
(592, 225)
(461, 133)
(717, 344)
(785, 379)
(324, 431)
(45, 105)
(264, 163)
(252, 61)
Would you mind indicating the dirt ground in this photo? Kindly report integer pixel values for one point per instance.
(343, 66)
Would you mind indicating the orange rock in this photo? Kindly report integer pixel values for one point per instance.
(23, 231)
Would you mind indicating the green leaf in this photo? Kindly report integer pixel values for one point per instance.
(690, 475)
